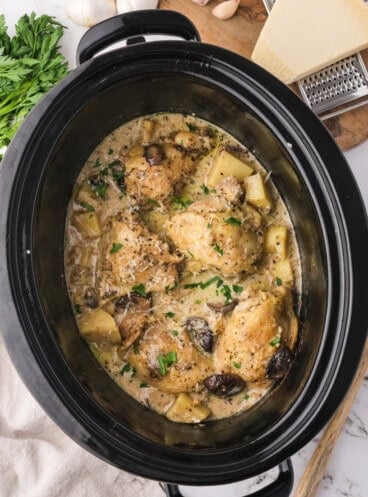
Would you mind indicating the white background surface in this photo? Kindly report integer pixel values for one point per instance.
(69, 471)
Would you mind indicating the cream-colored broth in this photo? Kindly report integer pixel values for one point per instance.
(82, 259)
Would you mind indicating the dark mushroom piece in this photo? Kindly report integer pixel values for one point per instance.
(200, 333)
(279, 363)
(154, 154)
(91, 298)
(224, 385)
(96, 181)
(224, 308)
(133, 299)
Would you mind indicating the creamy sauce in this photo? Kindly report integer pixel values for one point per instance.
(119, 194)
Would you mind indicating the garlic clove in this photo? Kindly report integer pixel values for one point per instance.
(201, 2)
(89, 12)
(225, 10)
(123, 6)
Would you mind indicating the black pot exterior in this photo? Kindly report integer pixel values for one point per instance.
(36, 181)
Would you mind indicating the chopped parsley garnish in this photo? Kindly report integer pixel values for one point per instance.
(205, 189)
(125, 368)
(192, 127)
(226, 292)
(77, 309)
(169, 288)
(209, 225)
(237, 289)
(246, 396)
(101, 189)
(209, 282)
(88, 207)
(278, 281)
(275, 341)
(110, 152)
(192, 285)
(232, 220)
(134, 372)
(135, 348)
(152, 202)
(165, 361)
(143, 385)
(97, 163)
(105, 171)
(181, 202)
(116, 247)
(169, 314)
(198, 302)
(175, 333)
(114, 163)
(218, 249)
(140, 289)
(236, 365)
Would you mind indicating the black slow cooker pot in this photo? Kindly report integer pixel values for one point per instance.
(36, 180)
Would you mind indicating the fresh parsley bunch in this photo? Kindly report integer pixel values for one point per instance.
(30, 64)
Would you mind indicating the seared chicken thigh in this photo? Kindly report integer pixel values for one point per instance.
(218, 234)
(190, 367)
(131, 255)
(254, 329)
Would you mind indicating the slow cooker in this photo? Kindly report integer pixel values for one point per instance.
(36, 180)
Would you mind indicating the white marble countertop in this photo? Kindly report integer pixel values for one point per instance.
(347, 473)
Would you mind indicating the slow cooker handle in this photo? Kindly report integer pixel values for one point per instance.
(281, 487)
(131, 24)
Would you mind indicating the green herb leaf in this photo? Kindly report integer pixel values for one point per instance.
(275, 341)
(192, 127)
(236, 365)
(175, 333)
(140, 289)
(110, 152)
(114, 163)
(105, 171)
(101, 189)
(165, 361)
(125, 368)
(97, 163)
(210, 282)
(181, 202)
(246, 396)
(218, 249)
(192, 285)
(205, 189)
(135, 348)
(88, 207)
(278, 281)
(77, 309)
(209, 225)
(116, 247)
(169, 288)
(232, 220)
(30, 65)
(143, 385)
(226, 292)
(152, 202)
(169, 314)
(237, 289)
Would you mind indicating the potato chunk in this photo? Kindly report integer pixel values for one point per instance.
(256, 192)
(283, 271)
(276, 240)
(87, 196)
(88, 224)
(225, 164)
(187, 410)
(98, 326)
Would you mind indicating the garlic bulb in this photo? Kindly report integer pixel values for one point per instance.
(123, 6)
(201, 2)
(225, 10)
(89, 12)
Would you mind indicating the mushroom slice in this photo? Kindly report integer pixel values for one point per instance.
(279, 363)
(224, 385)
(200, 333)
(223, 308)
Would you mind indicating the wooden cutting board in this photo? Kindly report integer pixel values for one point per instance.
(240, 34)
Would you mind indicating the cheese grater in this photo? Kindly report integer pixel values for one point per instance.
(336, 89)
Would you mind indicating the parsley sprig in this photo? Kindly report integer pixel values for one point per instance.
(30, 65)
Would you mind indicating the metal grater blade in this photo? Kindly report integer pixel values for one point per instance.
(335, 89)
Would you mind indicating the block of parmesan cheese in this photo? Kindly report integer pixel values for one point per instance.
(301, 37)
